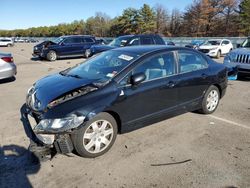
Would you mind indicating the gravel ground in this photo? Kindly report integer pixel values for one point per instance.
(191, 150)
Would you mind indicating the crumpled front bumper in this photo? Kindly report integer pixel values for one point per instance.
(46, 143)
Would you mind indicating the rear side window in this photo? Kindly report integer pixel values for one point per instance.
(73, 40)
(146, 40)
(158, 40)
(190, 61)
(88, 40)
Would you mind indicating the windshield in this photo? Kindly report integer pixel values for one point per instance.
(246, 43)
(117, 42)
(102, 67)
(57, 40)
(212, 42)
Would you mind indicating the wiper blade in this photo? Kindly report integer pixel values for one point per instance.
(63, 73)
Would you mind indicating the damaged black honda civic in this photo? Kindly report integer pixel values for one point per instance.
(83, 108)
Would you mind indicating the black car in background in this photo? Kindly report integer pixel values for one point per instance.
(126, 40)
(65, 46)
(84, 107)
(195, 44)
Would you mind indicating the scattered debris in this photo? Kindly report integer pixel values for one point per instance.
(126, 146)
(211, 123)
(165, 164)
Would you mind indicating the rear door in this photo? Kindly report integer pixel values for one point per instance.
(194, 76)
(226, 46)
(88, 42)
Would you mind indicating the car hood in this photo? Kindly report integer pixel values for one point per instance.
(208, 47)
(44, 43)
(102, 47)
(244, 51)
(54, 86)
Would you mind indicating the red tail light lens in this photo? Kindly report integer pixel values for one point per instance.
(7, 59)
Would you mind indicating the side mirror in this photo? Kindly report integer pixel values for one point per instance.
(238, 45)
(223, 44)
(62, 44)
(138, 78)
(123, 43)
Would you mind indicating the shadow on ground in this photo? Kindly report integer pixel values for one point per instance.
(7, 80)
(16, 163)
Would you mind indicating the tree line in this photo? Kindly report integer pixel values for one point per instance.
(202, 18)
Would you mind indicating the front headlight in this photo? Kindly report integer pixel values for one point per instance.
(35, 48)
(214, 48)
(58, 125)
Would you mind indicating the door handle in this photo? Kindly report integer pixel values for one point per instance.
(170, 84)
(204, 76)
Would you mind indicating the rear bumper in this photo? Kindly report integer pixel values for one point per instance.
(8, 70)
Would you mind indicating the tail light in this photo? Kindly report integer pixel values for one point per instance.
(8, 59)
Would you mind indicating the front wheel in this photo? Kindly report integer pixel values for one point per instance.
(87, 53)
(218, 54)
(51, 55)
(96, 137)
(211, 100)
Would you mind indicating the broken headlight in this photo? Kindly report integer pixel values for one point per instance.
(58, 125)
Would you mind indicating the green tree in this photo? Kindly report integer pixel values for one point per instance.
(147, 19)
(245, 16)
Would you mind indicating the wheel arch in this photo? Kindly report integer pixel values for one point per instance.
(219, 88)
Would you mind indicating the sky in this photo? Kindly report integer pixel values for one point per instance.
(21, 14)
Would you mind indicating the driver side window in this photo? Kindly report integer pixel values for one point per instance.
(158, 66)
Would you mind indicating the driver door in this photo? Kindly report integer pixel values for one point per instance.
(153, 97)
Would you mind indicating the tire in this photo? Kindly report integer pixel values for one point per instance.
(51, 55)
(89, 142)
(87, 53)
(8, 45)
(211, 100)
(218, 54)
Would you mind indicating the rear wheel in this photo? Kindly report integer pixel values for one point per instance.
(51, 55)
(96, 137)
(211, 100)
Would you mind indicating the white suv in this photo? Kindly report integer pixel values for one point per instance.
(6, 42)
(216, 47)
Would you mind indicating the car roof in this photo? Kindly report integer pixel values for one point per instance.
(141, 50)
(67, 36)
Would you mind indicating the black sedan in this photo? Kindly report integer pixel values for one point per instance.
(84, 107)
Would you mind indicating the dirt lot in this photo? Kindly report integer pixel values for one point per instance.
(214, 149)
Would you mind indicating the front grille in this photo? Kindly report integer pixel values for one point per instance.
(204, 50)
(243, 58)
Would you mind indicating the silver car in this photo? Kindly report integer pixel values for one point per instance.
(7, 66)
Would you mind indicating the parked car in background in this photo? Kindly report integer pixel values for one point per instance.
(7, 66)
(216, 47)
(7, 42)
(170, 43)
(65, 46)
(19, 40)
(102, 41)
(195, 44)
(84, 107)
(240, 58)
(126, 40)
(32, 41)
